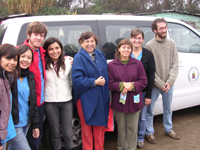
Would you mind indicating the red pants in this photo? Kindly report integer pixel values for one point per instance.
(90, 133)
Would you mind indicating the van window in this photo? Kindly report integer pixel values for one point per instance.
(68, 35)
(3, 28)
(68, 32)
(186, 40)
(114, 34)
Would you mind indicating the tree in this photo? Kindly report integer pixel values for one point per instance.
(26, 6)
(179, 5)
(192, 6)
(167, 5)
(155, 5)
(64, 3)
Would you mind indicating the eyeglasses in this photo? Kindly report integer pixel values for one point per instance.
(139, 39)
(163, 28)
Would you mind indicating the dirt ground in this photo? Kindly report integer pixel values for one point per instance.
(185, 122)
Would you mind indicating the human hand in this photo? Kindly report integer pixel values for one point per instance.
(36, 133)
(147, 101)
(1, 147)
(167, 87)
(100, 81)
(128, 86)
(124, 91)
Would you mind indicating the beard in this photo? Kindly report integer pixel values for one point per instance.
(162, 35)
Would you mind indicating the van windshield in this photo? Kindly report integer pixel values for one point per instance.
(3, 28)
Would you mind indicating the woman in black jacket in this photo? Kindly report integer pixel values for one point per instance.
(147, 59)
(28, 113)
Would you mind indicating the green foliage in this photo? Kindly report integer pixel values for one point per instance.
(62, 7)
(4, 11)
(52, 10)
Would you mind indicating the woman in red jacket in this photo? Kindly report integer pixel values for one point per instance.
(127, 79)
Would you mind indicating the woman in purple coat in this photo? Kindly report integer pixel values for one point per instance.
(127, 79)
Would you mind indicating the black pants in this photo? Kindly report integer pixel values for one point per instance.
(35, 142)
(60, 113)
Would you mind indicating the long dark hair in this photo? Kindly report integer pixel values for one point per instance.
(49, 61)
(9, 51)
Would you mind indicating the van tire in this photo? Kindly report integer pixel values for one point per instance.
(46, 143)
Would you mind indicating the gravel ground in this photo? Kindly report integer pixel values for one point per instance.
(185, 122)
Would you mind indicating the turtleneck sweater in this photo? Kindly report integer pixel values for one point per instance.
(166, 61)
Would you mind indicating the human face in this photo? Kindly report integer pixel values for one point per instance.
(25, 59)
(89, 44)
(137, 40)
(125, 51)
(36, 40)
(8, 64)
(54, 51)
(161, 31)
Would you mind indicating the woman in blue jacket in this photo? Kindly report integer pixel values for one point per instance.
(28, 113)
(90, 83)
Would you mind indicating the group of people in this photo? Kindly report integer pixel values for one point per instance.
(34, 80)
(37, 80)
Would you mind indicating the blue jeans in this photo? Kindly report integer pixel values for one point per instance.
(142, 121)
(167, 113)
(4, 145)
(19, 142)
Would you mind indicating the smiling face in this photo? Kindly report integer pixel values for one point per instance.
(137, 40)
(54, 51)
(25, 59)
(89, 44)
(125, 51)
(8, 64)
(36, 40)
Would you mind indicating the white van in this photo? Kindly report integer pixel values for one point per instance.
(110, 29)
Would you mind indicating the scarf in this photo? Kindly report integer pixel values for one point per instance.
(24, 72)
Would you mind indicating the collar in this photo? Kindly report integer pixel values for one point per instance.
(131, 61)
(160, 40)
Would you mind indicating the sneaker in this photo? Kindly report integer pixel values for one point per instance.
(173, 135)
(140, 144)
(151, 139)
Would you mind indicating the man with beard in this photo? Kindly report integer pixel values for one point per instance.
(166, 62)
(36, 33)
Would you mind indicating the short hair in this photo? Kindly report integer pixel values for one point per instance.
(136, 32)
(123, 42)
(86, 35)
(36, 27)
(154, 23)
(22, 49)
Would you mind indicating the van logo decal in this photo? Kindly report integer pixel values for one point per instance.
(193, 74)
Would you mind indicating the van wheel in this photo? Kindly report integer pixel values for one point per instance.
(46, 143)
(76, 129)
